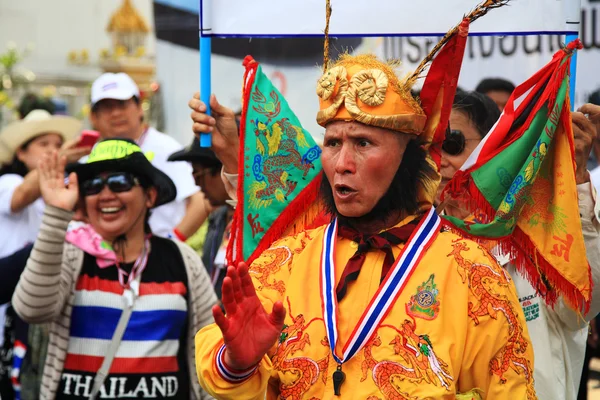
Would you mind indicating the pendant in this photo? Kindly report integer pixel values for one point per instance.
(338, 378)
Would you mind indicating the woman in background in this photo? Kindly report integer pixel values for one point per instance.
(84, 281)
(25, 142)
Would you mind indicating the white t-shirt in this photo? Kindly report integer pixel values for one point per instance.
(559, 334)
(595, 177)
(16, 229)
(559, 350)
(21, 228)
(166, 217)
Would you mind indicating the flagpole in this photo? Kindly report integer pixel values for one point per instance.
(573, 23)
(205, 62)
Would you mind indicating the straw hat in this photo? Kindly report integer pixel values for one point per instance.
(36, 123)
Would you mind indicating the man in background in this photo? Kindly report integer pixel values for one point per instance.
(591, 109)
(207, 174)
(117, 112)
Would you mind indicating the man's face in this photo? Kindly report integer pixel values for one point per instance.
(499, 97)
(210, 184)
(117, 118)
(360, 163)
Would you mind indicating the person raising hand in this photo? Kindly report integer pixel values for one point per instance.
(248, 330)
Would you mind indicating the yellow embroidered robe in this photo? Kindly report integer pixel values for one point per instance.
(457, 326)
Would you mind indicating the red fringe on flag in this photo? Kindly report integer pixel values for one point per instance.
(234, 253)
(547, 282)
(518, 246)
(559, 76)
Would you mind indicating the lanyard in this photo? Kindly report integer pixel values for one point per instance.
(388, 292)
(128, 280)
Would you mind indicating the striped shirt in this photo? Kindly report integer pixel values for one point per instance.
(47, 293)
(149, 362)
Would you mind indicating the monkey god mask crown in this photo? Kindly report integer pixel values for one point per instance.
(364, 89)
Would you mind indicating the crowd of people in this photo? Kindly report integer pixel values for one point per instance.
(116, 283)
(152, 200)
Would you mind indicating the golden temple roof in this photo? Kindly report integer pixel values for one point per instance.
(127, 20)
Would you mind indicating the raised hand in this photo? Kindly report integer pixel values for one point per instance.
(584, 132)
(592, 111)
(52, 182)
(248, 330)
(222, 126)
(72, 152)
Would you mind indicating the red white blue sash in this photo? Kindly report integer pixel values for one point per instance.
(389, 290)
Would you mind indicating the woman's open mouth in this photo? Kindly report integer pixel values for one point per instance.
(111, 213)
(110, 210)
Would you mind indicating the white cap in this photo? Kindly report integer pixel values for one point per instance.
(114, 86)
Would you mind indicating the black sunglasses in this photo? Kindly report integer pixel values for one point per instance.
(454, 143)
(117, 182)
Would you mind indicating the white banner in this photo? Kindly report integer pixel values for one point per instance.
(256, 18)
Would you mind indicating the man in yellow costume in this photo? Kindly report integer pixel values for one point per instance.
(380, 303)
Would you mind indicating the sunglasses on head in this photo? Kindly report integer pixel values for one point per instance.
(117, 182)
(454, 143)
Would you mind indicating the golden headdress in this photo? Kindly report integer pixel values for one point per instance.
(365, 89)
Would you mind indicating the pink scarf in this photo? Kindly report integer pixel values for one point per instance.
(86, 238)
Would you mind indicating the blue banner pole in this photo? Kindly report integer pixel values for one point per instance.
(573, 72)
(573, 23)
(205, 63)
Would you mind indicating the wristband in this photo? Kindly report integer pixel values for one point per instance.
(179, 235)
(229, 374)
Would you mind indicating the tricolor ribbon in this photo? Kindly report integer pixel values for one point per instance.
(388, 292)
(228, 374)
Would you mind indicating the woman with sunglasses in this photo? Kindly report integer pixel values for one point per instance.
(558, 334)
(124, 304)
(473, 115)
